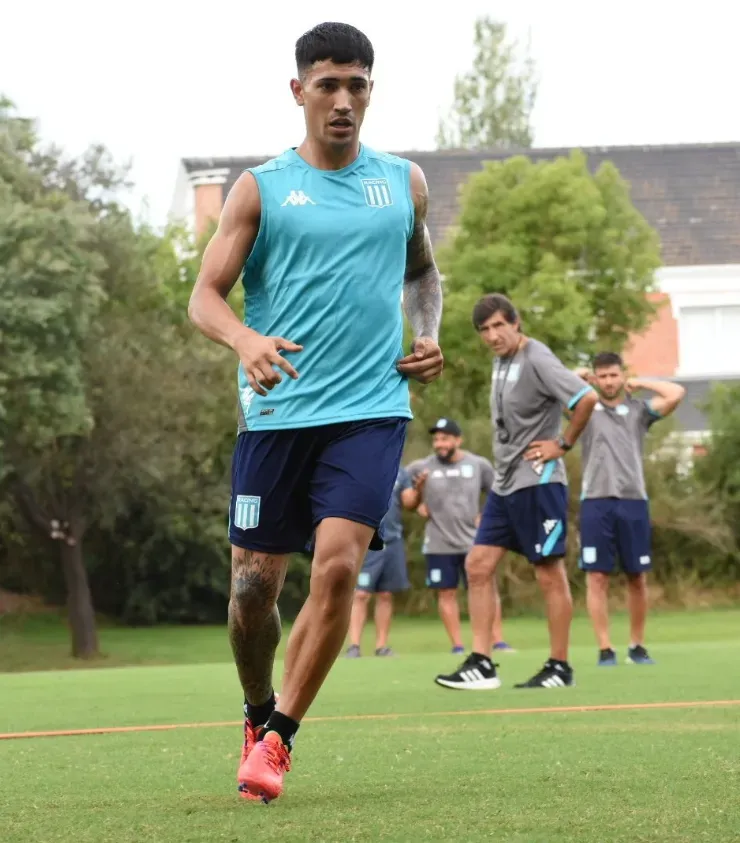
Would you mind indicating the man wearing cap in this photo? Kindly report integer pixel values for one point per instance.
(447, 491)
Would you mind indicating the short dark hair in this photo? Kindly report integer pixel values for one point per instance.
(493, 303)
(604, 359)
(337, 42)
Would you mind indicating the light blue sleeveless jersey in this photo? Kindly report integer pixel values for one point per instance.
(326, 271)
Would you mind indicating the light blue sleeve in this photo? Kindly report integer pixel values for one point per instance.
(404, 479)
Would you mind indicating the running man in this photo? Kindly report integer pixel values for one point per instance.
(615, 517)
(447, 491)
(527, 509)
(383, 574)
(328, 235)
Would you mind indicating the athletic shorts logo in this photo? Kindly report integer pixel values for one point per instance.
(247, 512)
(377, 193)
(589, 555)
(644, 560)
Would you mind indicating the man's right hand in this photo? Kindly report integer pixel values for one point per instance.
(420, 481)
(259, 354)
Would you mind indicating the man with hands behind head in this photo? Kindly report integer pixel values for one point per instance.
(615, 517)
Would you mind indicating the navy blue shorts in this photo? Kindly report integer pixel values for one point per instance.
(532, 522)
(611, 527)
(284, 482)
(445, 570)
(385, 570)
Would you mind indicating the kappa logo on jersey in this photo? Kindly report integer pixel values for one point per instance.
(247, 512)
(467, 471)
(377, 193)
(297, 197)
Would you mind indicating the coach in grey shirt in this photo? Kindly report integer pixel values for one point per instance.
(527, 509)
(615, 517)
(448, 486)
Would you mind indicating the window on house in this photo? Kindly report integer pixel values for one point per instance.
(709, 340)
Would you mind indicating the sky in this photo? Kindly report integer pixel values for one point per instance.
(158, 81)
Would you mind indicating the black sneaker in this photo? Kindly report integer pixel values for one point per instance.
(638, 655)
(476, 673)
(607, 658)
(553, 675)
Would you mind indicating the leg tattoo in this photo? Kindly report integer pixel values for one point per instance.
(254, 620)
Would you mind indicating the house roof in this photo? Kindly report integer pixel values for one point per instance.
(689, 193)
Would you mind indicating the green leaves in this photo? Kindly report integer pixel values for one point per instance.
(50, 293)
(567, 246)
(493, 102)
(114, 415)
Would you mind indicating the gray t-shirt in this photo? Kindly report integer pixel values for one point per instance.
(392, 524)
(529, 392)
(452, 496)
(612, 445)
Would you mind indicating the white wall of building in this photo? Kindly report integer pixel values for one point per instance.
(706, 304)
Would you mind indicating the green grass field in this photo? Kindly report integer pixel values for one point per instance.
(438, 766)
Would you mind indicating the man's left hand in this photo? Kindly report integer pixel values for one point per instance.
(425, 363)
(543, 451)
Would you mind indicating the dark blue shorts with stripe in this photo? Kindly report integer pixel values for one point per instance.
(531, 521)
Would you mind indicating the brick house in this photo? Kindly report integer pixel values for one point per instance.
(689, 193)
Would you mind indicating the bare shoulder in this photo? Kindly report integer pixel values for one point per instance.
(242, 205)
(233, 239)
(419, 189)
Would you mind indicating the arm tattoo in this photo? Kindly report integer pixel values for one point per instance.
(422, 290)
(254, 622)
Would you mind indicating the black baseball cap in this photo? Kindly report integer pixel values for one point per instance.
(446, 426)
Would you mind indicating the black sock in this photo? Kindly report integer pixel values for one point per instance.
(563, 664)
(258, 714)
(284, 726)
(481, 657)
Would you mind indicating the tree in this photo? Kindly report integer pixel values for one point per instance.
(565, 245)
(107, 399)
(493, 102)
(50, 293)
(718, 470)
